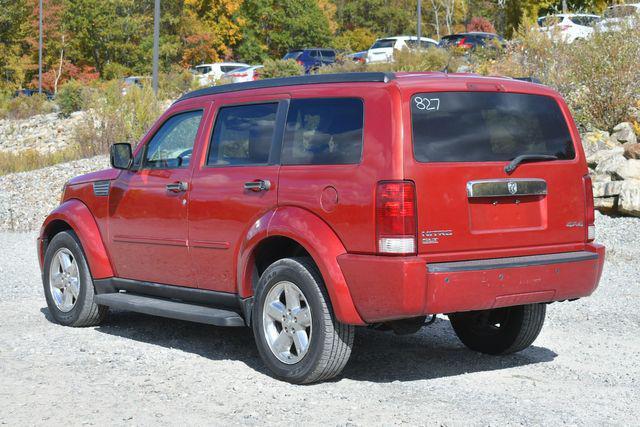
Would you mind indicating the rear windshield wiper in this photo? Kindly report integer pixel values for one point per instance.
(527, 158)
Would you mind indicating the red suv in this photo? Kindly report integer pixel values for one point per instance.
(303, 207)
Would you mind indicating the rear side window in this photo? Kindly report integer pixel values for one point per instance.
(328, 54)
(243, 135)
(487, 126)
(325, 131)
(384, 43)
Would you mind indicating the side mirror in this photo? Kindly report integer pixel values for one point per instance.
(121, 156)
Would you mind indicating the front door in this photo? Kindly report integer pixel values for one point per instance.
(148, 205)
(234, 187)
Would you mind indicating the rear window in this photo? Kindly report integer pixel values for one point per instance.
(326, 131)
(487, 126)
(384, 43)
(586, 21)
(450, 40)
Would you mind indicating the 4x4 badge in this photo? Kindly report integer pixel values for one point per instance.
(512, 186)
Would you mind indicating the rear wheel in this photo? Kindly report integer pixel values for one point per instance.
(68, 286)
(501, 330)
(296, 332)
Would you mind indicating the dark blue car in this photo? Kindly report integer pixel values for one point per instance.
(313, 58)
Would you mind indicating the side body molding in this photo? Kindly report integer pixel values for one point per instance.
(319, 240)
(79, 217)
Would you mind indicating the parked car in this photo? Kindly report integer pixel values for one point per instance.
(313, 58)
(138, 81)
(305, 206)
(618, 16)
(472, 41)
(31, 92)
(360, 57)
(569, 27)
(244, 74)
(207, 74)
(382, 49)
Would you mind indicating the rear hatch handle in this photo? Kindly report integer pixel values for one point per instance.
(527, 158)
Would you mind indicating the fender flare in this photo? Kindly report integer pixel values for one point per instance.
(78, 216)
(318, 239)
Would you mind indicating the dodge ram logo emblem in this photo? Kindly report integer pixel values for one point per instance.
(512, 186)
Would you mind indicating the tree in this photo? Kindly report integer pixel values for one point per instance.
(479, 23)
(272, 27)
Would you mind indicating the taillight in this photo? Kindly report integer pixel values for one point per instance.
(396, 217)
(590, 216)
(300, 62)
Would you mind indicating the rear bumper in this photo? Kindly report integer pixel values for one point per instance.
(386, 288)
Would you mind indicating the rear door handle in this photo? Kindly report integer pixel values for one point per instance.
(258, 185)
(178, 187)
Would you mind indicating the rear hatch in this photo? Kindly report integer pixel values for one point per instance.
(468, 206)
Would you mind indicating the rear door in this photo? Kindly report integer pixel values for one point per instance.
(234, 185)
(468, 206)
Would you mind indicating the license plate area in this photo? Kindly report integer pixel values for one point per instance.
(506, 214)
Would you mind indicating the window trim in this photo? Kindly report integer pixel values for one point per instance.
(364, 116)
(566, 118)
(143, 160)
(276, 142)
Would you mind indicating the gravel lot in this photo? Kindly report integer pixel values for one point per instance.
(584, 368)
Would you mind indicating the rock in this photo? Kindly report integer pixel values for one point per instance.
(595, 141)
(599, 156)
(599, 178)
(625, 133)
(611, 163)
(629, 200)
(632, 151)
(607, 189)
(605, 204)
(629, 169)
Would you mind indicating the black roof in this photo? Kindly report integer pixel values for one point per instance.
(292, 81)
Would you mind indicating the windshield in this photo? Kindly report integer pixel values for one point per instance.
(293, 55)
(487, 126)
(384, 43)
(620, 11)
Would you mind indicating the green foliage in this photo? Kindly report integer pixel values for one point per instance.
(173, 84)
(355, 40)
(113, 71)
(276, 26)
(69, 98)
(281, 68)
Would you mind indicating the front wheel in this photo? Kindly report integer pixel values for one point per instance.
(297, 334)
(501, 330)
(68, 286)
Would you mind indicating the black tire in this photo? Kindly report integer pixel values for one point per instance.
(85, 311)
(330, 342)
(499, 331)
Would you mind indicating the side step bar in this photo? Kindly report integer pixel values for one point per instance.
(171, 309)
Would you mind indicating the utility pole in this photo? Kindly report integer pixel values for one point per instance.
(419, 22)
(40, 52)
(156, 44)
(565, 8)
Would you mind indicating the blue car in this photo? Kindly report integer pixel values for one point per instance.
(313, 58)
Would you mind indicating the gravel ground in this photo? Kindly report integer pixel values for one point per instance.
(135, 369)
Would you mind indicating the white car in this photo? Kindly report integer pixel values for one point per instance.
(244, 74)
(569, 27)
(620, 15)
(382, 49)
(210, 73)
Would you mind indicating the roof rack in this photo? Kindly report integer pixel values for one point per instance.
(292, 81)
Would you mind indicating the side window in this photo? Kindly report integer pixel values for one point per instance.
(171, 147)
(328, 55)
(243, 135)
(314, 53)
(323, 131)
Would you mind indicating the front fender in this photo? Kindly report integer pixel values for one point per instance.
(78, 216)
(324, 247)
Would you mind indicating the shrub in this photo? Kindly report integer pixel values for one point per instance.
(31, 159)
(176, 82)
(113, 117)
(431, 59)
(23, 107)
(70, 98)
(281, 68)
